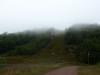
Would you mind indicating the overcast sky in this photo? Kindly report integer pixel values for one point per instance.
(19, 15)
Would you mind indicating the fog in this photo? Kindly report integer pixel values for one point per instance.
(19, 15)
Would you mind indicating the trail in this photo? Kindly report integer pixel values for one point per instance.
(72, 70)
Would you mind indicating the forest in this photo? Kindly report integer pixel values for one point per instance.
(80, 41)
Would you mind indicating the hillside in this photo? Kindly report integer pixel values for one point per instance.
(31, 47)
(35, 53)
(51, 46)
(54, 52)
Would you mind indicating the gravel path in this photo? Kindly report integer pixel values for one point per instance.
(71, 70)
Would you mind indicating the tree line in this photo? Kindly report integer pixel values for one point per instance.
(82, 41)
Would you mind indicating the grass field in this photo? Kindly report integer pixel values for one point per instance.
(29, 65)
(29, 69)
(25, 70)
(89, 70)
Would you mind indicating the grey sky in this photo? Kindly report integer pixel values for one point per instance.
(19, 15)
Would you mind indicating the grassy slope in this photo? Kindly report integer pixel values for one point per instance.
(53, 53)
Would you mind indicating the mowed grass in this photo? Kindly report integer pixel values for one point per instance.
(22, 65)
(89, 70)
(29, 69)
(24, 70)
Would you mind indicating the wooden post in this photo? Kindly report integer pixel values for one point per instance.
(88, 57)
